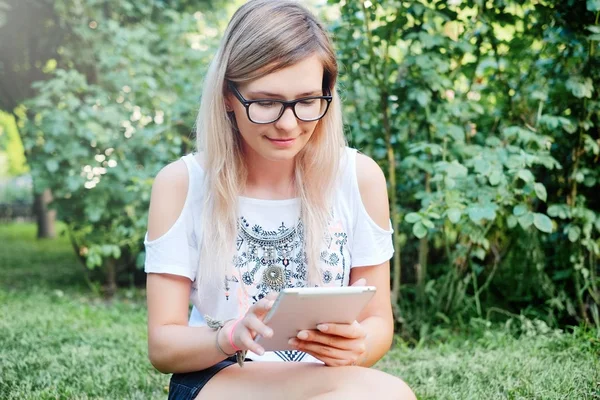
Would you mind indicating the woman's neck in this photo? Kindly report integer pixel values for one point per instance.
(268, 179)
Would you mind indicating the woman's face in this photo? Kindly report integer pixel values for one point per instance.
(284, 138)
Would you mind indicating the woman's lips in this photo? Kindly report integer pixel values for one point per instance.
(282, 142)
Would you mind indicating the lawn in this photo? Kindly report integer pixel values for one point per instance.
(60, 340)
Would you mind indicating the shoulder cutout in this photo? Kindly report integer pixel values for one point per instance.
(373, 190)
(169, 193)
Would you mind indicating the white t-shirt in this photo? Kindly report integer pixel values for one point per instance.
(269, 246)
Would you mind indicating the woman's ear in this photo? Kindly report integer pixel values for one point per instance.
(228, 106)
(228, 99)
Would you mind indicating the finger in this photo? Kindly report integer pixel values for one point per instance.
(254, 324)
(330, 356)
(261, 307)
(350, 331)
(360, 282)
(248, 343)
(338, 342)
(330, 362)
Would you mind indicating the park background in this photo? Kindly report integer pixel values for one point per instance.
(484, 115)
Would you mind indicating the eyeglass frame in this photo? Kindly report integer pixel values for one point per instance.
(286, 104)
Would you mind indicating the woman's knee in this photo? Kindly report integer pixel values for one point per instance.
(376, 383)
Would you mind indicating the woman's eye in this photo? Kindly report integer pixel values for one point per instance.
(308, 102)
(266, 104)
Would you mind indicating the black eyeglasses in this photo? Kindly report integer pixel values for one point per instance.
(267, 111)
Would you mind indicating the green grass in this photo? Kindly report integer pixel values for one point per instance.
(59, 340)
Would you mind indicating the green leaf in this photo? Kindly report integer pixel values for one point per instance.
(554, 210)
(427, 223)
(454, 215)
(573, 233)
(140, 260)
(422, 97)
(456, 170)
(519, 209)
(589, 181)
(542, 222)
(479, 213)
(52, 165)
(116, 252)
(449, 182)
(495, 177)
(412, 217)
(585, 272)
(457, 133)
(526, 175)
(94, 213)
(593, 5)
(511, 221)
(526, 220)
(540, 191)
(419, 230)
(478, 253)
(580, 87)
(482, 166)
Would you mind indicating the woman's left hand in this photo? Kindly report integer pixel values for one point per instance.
(334, 344)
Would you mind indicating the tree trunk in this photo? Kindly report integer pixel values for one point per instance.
(111, 278)
(46, 218)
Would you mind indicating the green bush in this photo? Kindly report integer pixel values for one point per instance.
(98, 134)
(485, 116)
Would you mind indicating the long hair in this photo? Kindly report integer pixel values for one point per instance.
(262, 37)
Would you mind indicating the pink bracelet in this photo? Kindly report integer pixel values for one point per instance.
(231, 335)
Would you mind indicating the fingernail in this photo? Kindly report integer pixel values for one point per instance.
(302, 335)
(261, 352)
(322, 327)
(269, 332)
(292, 342)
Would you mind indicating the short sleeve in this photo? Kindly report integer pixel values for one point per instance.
(371, 244)
(175, 251)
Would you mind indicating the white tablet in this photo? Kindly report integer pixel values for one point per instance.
(304, 308)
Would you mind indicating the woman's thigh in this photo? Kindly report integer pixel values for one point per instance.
(301, 381)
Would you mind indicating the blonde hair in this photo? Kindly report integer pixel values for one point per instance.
(262, 37)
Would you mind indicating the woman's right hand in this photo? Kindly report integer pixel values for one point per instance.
(249, 326)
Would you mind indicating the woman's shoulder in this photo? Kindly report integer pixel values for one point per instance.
(369, 174)
(169, 194)
(368, 187)
(361, 172)
(173, 177)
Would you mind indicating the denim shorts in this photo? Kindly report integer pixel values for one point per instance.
(187, 386)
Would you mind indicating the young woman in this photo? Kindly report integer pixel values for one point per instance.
(272, 199)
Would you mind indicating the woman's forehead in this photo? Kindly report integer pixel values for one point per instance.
(301, 78)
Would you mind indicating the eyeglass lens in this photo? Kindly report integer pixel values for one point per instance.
(269, 111)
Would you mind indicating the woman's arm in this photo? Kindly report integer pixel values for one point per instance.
(376, 318)
(173, 346)
(362, 343)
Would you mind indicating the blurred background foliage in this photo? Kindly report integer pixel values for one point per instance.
(484, 114)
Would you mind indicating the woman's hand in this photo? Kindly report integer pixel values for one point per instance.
(334, 344)
(241, 332)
